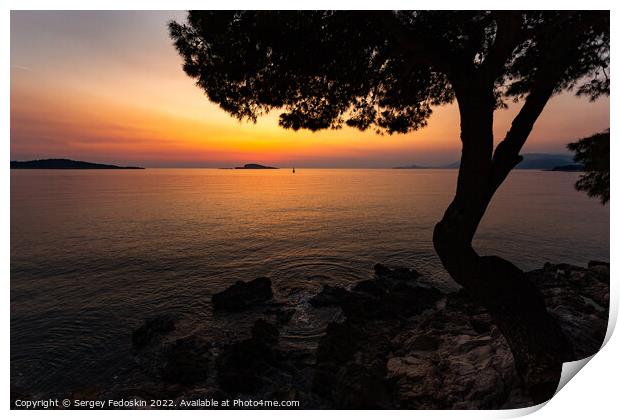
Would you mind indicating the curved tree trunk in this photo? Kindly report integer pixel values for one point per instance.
(537, 343)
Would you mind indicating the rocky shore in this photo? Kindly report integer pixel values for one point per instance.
(398, 343)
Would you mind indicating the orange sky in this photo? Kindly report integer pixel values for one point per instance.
(108, 87)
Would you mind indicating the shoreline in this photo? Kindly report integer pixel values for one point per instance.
(405, 352)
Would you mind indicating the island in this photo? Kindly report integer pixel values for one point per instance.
(414, 166)
(568, 168)
(453, 165)
(542, 161)
(64, 164)
(254, 166)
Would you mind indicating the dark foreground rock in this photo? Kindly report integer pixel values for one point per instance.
(398, 344)
(186, 361)
(242, 295)
(453, 358)
(282, 315)
(328, 296)
(243, 366)
(578, 298)
(444, 351)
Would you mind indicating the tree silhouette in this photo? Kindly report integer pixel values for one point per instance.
(593, 153)
(385, 71)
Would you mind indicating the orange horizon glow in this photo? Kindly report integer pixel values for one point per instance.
(108, 87)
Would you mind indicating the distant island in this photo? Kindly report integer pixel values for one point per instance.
(64, 164)
(254, 166)
(453, 165)
(412, 167)
(568, 168)
(544, 161)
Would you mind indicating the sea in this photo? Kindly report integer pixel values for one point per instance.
(96, 252)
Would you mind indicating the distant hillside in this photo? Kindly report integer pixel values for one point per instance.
(568, 168)
(546, 161)
(411, 167)
(64, 164)
(453, 165)
(254, 166)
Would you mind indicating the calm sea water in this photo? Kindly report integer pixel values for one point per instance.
(93, 253)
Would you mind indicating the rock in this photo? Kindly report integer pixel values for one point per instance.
(392, 294)
(381, 270)
(538, 345)
(439, 361)
(242, 295)
(339, 343)
(186, 361)
(363, 386)
(578, 299)
(329, 296)
(351, 368)
(282, 315)
(593, 264)
(397, 273)
(265, 332)
(397, 301)
(243, 366)
(371, 287)
(152, 328)
(417, 348)
(428, 358)
(398, 344)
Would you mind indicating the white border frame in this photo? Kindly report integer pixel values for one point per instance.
(592, 394)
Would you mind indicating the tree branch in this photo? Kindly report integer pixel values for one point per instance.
(509, 35)
(506, 155)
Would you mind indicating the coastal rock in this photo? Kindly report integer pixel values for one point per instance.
(328, 296)
(284, 316)
(351, 368)
(243, 366)
(400, 343)
(281, 316)
(392, 293)
(186, 361)
(243, 295)
(442, 360)
(578, 299)
(441, 357)
(398, 274)
(425, 350)
(153, 327)
(265, 332)
(401, 300)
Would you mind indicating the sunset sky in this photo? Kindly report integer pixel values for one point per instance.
(108, 87)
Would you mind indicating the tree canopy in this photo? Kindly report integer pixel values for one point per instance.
(593, 153)
(385, 70)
